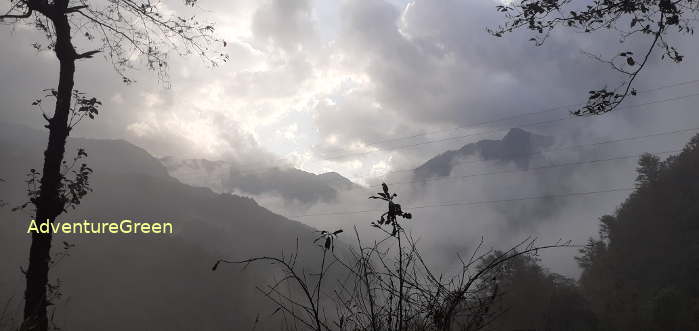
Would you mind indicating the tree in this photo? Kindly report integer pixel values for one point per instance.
(641, 272)
(126, 32)
(536, 299)
(654, 20)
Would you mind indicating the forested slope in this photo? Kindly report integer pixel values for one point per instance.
(642, 271)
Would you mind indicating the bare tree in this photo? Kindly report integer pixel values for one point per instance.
(373, 287)
(127, 32)
(653, 20)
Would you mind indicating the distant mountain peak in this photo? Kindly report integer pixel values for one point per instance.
(516, 133)
(514, 147)
(289, 183)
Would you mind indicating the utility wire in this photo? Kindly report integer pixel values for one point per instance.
(472, 203)
(522, 126)
(548, 167)
(560, 148)
(552, 166)
(526, 114)
(528, 125)
(579, 145)
(461, 202)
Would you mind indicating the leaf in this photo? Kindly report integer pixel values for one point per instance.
(385, 188)
(338, 232)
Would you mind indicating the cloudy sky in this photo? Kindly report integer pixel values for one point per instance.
(360, 87)
(310, 82)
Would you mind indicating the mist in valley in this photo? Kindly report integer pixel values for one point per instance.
(316, 107)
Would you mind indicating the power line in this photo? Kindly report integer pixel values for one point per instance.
(529, 125)
(520, 126)
(615, 158)
(511, 171)
(570, 146)
(552, 166)
(549, 196)
(499, 120)
(656, 134)
(526, 114)
(522, 155)
(472, 203)
(462, 202)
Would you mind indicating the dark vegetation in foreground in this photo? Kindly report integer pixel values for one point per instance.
(122, 30)
(640, 274)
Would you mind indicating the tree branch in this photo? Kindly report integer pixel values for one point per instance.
(75, 9)
(86, 55)
(20, 16)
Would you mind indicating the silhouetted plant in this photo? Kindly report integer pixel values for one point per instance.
(328, 239)
(654, 19)
(82, 106)
(390, 217)
(378, 289)
(75, 184)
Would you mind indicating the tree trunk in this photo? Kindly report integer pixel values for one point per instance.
(49, 203)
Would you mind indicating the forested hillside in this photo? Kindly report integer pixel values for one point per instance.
(137, 281)
(640, 274)
(642, 271)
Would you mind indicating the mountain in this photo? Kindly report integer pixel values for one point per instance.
(515, 144)
(292, 185)
(142, 282)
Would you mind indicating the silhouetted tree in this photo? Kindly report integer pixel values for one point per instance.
(640, 274)
(535, 299)
(126, 31)
(656, 20)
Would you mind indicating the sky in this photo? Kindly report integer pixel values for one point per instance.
(332, 85)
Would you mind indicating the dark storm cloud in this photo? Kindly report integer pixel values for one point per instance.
(433, 63)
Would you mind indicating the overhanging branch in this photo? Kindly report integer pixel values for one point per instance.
(20, 16)
(86, 55)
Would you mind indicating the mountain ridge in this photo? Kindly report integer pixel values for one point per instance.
(516, 143)
(115, 269)
(291, 184)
